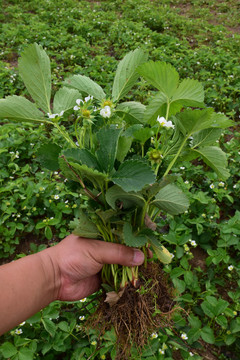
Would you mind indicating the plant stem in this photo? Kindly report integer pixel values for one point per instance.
(65, 135)
(175, 158)
(168, 108)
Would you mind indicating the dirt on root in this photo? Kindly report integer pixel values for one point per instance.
(138, 313)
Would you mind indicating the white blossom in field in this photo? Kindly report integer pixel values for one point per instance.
(94, 343)
(22, 323)
(221, 183)
(163, 122)
(154, 335)
(230, 267)
(83, 300)
(186, 182)
(78, 102)
(193, 243)
(89, 97)
(82, 317)
(182, 167)
(212, 186)
(184, 336)
(52, 116)
(56, 197)
(106, 112)
(18, 331)
(191, 354)
(172, 255)
(161, 351)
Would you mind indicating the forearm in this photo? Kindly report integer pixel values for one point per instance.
(26, 286)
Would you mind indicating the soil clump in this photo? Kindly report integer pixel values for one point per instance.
(139, 312)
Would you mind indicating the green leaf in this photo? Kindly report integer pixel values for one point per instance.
(131, 111)
(179, 285)
(191, 121)
(215, 158)
(35, 70)
(130, 239)
(133, 175)
(222, 321)
(82, 156)
(143, 134)
(161, 75)
(65, 99)
(85, 85)
(126, 74)
(48, 232)
(220, 120)
(194, 322)
(108, 144)
(49, 326)
(128, 200)
(25, 354)
(8, 350)
(189, 93)
(17, 108)
(97, 178)
(84, 227)
(156, 107)
(48, 155)
(124, 145)
(171, 199)
(106, 215)
(207, 335)
(206, 137)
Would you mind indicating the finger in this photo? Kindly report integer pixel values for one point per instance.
(110, 253)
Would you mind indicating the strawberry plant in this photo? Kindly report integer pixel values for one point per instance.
(121, 156)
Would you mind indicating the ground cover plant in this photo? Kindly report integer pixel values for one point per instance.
(204, 240)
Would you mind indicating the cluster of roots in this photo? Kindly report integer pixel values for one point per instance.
(138, 313)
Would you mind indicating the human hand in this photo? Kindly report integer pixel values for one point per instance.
(78, 261)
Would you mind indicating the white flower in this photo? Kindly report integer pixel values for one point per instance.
(56, 197)
(212, 186)
(182, 167)
(52, 116)
(76, 108)
(89, 97)
(193, 243)
(161, 351)
(234, 186)
(184, 336)
(106, 112)
(18, 331)
(154, 335)
(163, 122)
(22, 323)
(221, 183)
(83, 300)
(191, 354)
(186, 182)
(94, 343)
(82, 317)
(79, 101)
(172, 255)
(230, 267)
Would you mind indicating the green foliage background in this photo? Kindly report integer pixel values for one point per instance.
(201, 40)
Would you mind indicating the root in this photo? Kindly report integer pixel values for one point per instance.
(138, 313)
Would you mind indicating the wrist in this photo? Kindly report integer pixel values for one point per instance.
(51, 272)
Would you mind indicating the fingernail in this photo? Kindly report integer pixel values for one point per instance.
(138, 257)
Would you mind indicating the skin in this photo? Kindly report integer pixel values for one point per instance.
(68, 271)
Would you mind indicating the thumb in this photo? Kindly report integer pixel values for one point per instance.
(110, 253)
